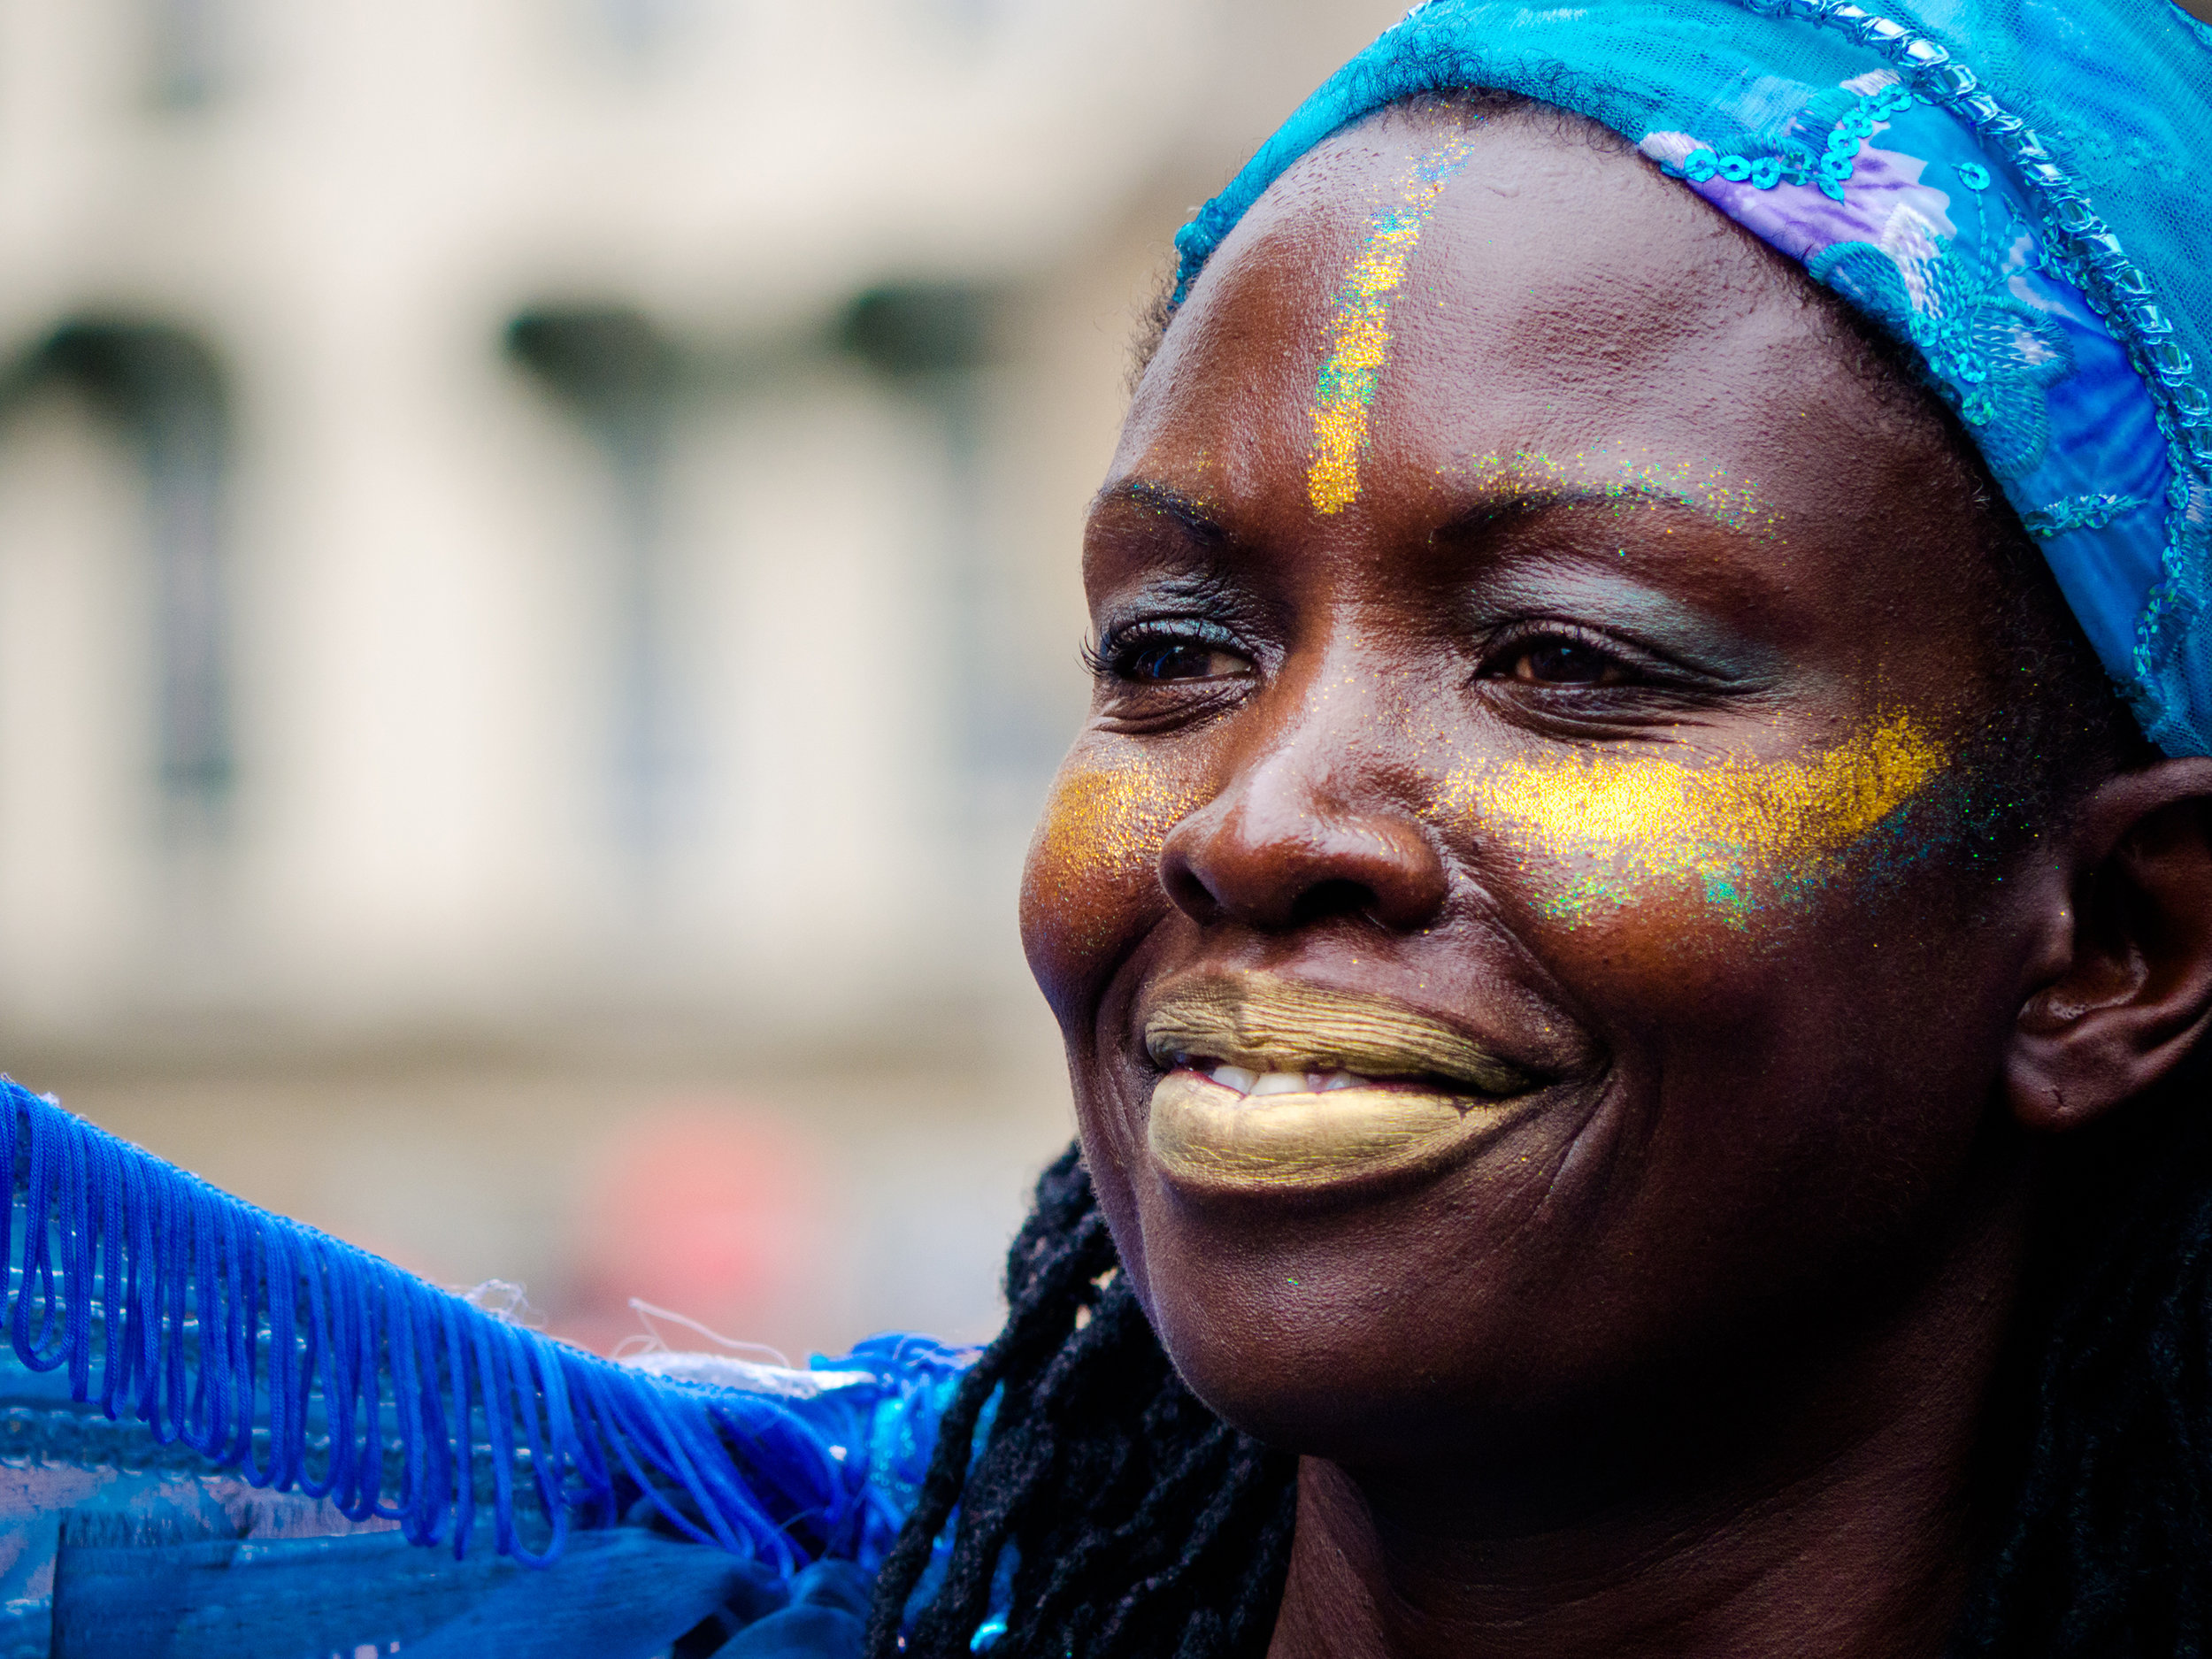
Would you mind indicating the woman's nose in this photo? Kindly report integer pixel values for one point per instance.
(1276, 850)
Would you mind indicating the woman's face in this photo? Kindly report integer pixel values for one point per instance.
(1518, 909)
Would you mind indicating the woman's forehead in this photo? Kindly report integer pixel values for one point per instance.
(1429, 294)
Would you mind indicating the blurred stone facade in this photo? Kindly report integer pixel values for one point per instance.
(538, 602)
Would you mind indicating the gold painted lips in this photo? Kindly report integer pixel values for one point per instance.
(1342, 1087)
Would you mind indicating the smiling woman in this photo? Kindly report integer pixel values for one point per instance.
(1632, 925)
(1634, 918)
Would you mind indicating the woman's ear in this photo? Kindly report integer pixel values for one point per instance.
(2122, 989)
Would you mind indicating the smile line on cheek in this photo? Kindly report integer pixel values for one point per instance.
(1737, 829)
(1359, 338)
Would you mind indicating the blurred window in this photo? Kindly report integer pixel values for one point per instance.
(166, 392)
(934, 342)
(637, 29)
(185, 40)
(619, 376)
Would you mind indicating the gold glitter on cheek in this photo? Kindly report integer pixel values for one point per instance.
(1092, 869)
(1740, 831)
(1359, 339)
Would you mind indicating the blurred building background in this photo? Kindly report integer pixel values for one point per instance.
(538, 602)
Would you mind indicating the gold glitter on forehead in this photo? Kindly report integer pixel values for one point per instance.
(1741, 830)
(1359, 339)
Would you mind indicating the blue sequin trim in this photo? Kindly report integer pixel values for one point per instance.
(2091, 249)
(1793, 161)
(2078, 512)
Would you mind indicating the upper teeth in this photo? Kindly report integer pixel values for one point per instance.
(1246, 1081)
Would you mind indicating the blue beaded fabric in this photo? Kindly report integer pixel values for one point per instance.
(2019, 189)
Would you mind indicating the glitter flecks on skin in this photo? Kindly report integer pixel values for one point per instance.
(1100, 839)
(1634, 485)
(1359, 339)
(1739, 830)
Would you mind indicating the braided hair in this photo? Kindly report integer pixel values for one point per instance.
(2102, 1545)
(1140, 1524)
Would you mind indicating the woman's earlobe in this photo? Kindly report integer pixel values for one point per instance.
(2121, 991)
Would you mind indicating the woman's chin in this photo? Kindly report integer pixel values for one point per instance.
(1313, 1388)
(1360, 1332)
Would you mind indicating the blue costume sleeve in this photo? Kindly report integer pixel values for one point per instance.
(222, 1432)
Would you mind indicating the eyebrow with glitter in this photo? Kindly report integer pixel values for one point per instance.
(1533, 504)
(1147, 496)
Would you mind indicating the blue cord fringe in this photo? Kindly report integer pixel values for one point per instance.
(256, 1341)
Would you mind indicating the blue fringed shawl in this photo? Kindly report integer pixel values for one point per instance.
(225, 1339)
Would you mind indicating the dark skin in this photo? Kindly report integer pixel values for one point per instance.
(1688, 1358)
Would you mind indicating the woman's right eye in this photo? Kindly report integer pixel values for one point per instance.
(1178, 659)
(1151, 656)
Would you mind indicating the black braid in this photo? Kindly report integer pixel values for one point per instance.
(2106, 1548)
(1143, 1526)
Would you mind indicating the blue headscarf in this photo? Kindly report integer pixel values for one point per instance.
(2020, 190)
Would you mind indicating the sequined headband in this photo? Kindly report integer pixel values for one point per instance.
(2021, 192)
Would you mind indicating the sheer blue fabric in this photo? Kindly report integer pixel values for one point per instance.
(2021, 190)
(222, 1432)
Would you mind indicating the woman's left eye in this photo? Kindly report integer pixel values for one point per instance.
(1556, 660)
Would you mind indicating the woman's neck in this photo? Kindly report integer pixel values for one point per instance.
(1823, 1510)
